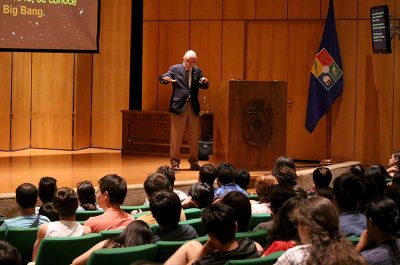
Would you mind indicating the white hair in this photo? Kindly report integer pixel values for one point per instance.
(190, 54)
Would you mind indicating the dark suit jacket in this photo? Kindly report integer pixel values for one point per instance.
(180, 89)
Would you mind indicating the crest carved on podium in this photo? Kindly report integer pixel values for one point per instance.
(257, 123)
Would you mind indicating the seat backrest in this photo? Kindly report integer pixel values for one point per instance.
(259, 218)
(84, 215)
(196, 224)
(267, 260)
(353, 239)
(23, 239)
(259, 236)
(167, 248)
(123, 256)
(192, 213)
(3, 234)
(130, 208)
(63, 250)
(108, 234)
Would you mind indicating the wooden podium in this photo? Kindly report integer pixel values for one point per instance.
(250, 123)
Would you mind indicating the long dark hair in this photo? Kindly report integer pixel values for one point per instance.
(87, 195)
(135, 234)
(327, 246)
(283, 227)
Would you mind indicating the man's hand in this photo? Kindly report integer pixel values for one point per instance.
(168, 79)
(203, 80)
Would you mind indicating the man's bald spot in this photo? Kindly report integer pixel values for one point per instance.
(190, 54)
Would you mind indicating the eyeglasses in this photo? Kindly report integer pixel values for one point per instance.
(190, 61)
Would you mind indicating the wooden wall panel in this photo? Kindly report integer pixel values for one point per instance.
(304, 9)
(82, 100)
(173, 43)
(267, 50)
(205, 9)
(52, 90)
(150, 9)
(239, 9)
(271, 9)
(21, 101)
(149, 69)
(174, 9)
(233, 50)
(111, 69)
(396, 96)
(344, 109)
(5, 99)
(374, 113)
(344, 9)
(365, 5)
(204, 37)
(304, 39)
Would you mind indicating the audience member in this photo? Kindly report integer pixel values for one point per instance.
(347, 190)
(87, 196)
(47, 189)
(379, 175)
(207, 174)
(323, 244)
(202, 195)
(383, 225)
(322, 177)
(241, 177)
(357, 170)
(242, 208)
(26, 196)
(264, 184)
(135, 234)
(285, 171)
(66, 202)
(279, 195)
(170, 174)
(394, 163)
(393, 192)
(220, 225)
(326, 192)
(47, 209)
(301, 193)
(166, 208)
(154, 183)
(9, 255)
(283, 234)
(225, 181)
(111, 195)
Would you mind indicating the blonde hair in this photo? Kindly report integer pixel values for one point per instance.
(264, 184)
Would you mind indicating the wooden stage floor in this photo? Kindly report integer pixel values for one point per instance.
(71, 167)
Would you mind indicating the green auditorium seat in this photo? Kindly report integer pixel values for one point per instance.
(130, 208)
(84, 215)
(353, 239)
(108, 234)
(23, 239)
(259, 218)
(196, 224)
(192, 213)
(3, 234)
(259, 236)
(63, 250)
(254, 197)
(167, 248)
(123, 256)
(267, 260)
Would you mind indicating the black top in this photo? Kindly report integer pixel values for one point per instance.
(180, 232)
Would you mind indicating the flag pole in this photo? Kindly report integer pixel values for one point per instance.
(328, 160)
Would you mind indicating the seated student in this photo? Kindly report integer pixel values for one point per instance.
(322, 177)
(357, 170)
(318, 228)
(279, 195)
(166, 209)
(383, 224)
(202, 195)
(241, 177)
(220, 225)
(47, 209)
(394, 162)
(378, 175)
(283, 234)
(9, 255)
(112, 193)
(66, 202)
(135, 234)
(285, 171)
(207, 174)
(347, 191)
(264, 184)
(26, 196)
(87, 196)
(47, 188)
(153, 183)
(326, 192)
(225, 181)
(242, 208)
(170, 174)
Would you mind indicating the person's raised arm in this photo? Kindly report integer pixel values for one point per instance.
(167, 77)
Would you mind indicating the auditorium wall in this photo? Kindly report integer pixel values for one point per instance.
(68, 100)
(277, 40)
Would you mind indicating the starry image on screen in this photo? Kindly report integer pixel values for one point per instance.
(380, 29)
(49, 25)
